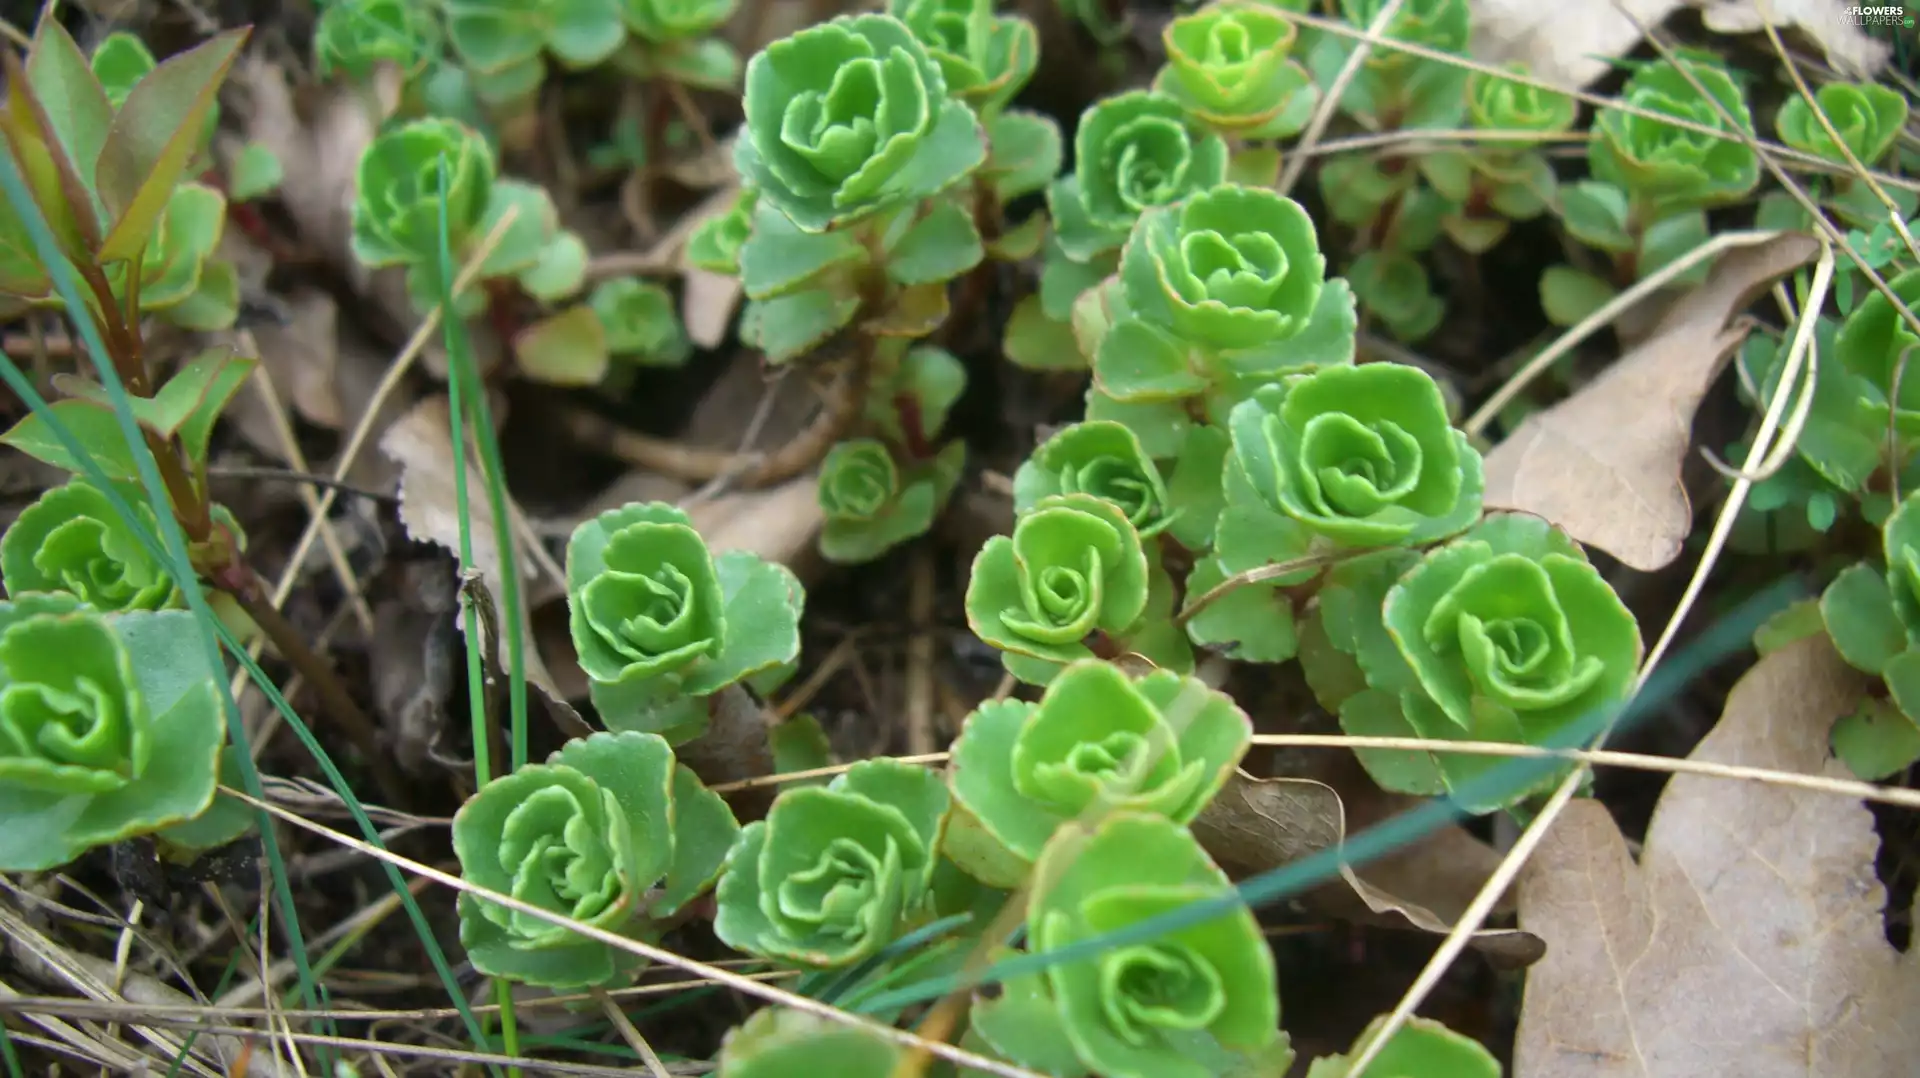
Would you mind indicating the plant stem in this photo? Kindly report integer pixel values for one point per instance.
(247, 591)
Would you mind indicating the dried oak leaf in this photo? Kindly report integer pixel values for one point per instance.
(1605, 463)
(1748, 941)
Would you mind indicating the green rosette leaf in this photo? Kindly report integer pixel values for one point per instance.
(1867, 116)
(657, 620)
(588, 835)
(1358, 456)
(641, 322)
(986, 58)
(1163, 744)
(110, 727)
(1675, 168)
(1191, 1003)
(1102, 458)
(1501, 104)
(834, 873)
(352, 36)
(872, 504)
(851, 117)
(396, 209)
(665, 22)
(1512, 634)
(1229, 65)
(1073, 566)
(72, 540)
(1231, 268)
(1132, 152)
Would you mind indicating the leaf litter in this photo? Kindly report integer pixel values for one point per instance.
(1749, 937)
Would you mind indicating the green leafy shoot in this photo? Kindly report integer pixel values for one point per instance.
(1096, 741)
(836, 872)
(610, 831)
(661, 624)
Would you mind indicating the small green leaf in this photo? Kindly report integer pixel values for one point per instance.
(1252, 623)
(777, 258)
(1876, 741)
(91, 424)
(800, 744)
(938, 247)
(153, 138)
(1569, 295)
(1025, 153)
(792, 325)
(780, 1043)
(256, 172)
(1421, 1047)
(1858, 611)
(1039, 343)
(1596, 214)
(565, 349)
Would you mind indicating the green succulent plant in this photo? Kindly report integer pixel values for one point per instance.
(986, 58)
(1345, 457)
(1672, 168)
(1867, 116)
(1873, 617)
(715, 244)
(1102, 458)
(1164, 744)
(873, 503)
(672, 39)
(1421, 1047)
(110, 727)
(835, 872)
(850, 117)
(610, 832)
(71, 540)
(1229, 64)
(1132, 152)
(181, 278)
(660, 624)
(396, 209)
(1224, 291)
(779, 1043)
(1073, 566)
(1192, 1003)
(641, 322)
(1507, 633)
(352, 36)
(1504, 104)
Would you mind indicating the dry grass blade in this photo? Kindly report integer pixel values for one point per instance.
(1302, 152)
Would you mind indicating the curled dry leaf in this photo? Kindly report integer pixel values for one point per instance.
(1257, 824)
(422, 445)
(1569, 43)
(1605, 463)
(1749, 939)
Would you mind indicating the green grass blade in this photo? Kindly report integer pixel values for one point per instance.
(465, 392)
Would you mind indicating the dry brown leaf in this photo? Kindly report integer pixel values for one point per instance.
(1748, 942)
(421, 444)
(1569, 42)
(1257, 824)
(1605, 463)
(303, 355)
(707, 303)
(778, 523)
